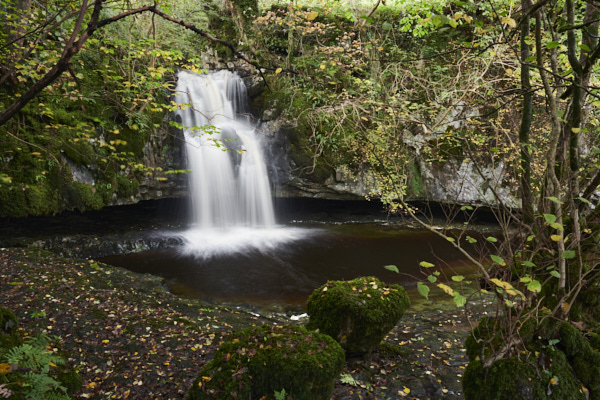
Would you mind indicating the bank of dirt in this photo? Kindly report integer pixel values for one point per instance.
(129, 338)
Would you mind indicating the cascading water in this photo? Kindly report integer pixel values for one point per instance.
(231, 199)
(228, 182)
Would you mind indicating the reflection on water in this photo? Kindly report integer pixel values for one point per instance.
(287, 271)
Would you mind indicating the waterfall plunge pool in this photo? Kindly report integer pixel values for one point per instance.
(280, 267)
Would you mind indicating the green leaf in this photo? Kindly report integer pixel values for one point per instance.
(491, 239)
(392, 268)
(450, 239)
(551, 45)
(386, 26)
(471, 240)
(555, 200)
(557, 226)
(458, 278)
(497, 259)
(555, 274)
(426, 264)
(459, 299)
(423, 289)
(431, 278)
(528, 263)
(568, 254)
(534, 286)
(550, 218)
(345, 378)
(586, 201)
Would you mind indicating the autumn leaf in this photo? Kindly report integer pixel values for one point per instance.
(446, 288)
(312, 16)
(510, 22)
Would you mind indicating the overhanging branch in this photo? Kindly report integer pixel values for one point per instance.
(74, 46)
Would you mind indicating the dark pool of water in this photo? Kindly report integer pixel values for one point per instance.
(286, 274)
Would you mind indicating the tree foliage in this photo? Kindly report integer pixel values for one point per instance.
(501, 96)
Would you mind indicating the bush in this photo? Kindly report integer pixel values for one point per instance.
(256, 362)
(358, 313)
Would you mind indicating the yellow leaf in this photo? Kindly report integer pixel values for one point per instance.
(406, 390)
(278, 70)
(206, 378)
(446, 288)
(105, 341)
(312, 15)
(510, 22)
(575, 130)
(322, 66)
(501, 283)
(566, 306)
(556, 238)
(5, 369)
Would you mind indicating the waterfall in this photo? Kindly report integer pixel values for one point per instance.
(231, 200)
(229, 185)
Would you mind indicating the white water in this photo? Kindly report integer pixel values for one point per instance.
(231, 199)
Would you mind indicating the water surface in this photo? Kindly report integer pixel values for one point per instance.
(284, 273)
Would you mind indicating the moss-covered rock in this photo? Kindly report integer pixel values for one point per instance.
(587, 307)
(358, 313)
(530, 377)
(257, 361)
(582, 356)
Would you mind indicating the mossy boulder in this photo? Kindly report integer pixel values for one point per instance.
(582, 356)
(557, 363)
(357, 313)
(539, 376)
(256, 362)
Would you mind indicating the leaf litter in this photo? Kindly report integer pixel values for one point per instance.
(129, 338)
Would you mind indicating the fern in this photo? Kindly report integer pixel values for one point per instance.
(35, 358)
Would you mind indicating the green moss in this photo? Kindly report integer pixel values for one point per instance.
(487, 337)
(587, 307)
(127, 187)
(256, 362)
(583, 358)
(8, 322)
(415, 181)
(71, 381)
(526, 378)
(358, 313)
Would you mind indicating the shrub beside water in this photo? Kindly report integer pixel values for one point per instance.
(357, 313)
(260, 361)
